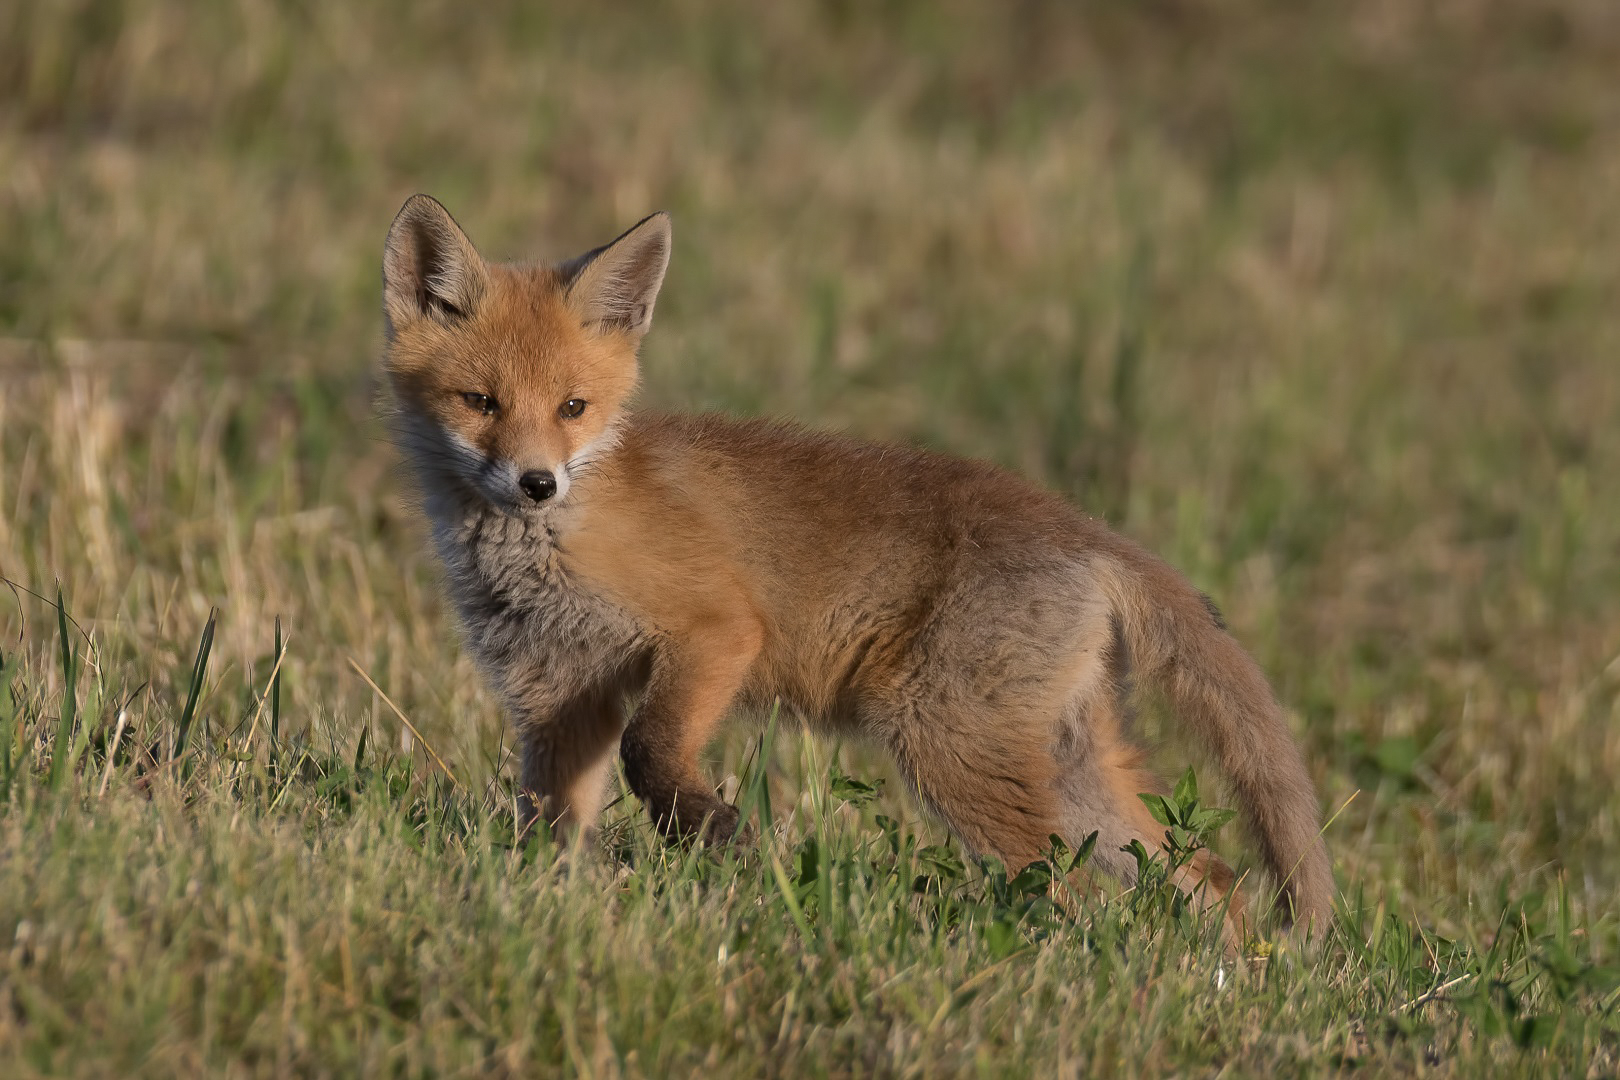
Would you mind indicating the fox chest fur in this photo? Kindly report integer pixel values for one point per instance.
(538, 634)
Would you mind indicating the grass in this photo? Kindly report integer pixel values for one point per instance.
(1316, 300)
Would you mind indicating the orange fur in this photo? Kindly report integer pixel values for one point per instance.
(980, 630)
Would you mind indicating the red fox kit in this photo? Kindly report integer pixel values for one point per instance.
(980, 630)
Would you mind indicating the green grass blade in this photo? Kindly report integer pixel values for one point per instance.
(275, 695)
(60, 750)
(784, 886)
(756, 795)
(10, 723)
(198, 671)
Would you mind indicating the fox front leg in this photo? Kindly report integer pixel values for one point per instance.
(567, 755)
(687, 697)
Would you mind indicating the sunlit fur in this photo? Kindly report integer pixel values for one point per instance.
(980, 630)
(525, 350)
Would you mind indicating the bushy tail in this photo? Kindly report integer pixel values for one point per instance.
(1178, 641)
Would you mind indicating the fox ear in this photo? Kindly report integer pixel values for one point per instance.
(615, 286)
(430, 269)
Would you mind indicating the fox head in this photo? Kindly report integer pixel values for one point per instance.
(509, 378)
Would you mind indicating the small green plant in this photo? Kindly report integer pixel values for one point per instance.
(1189, 826)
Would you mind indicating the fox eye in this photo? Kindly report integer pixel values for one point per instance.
(482, 402)
(572, 407)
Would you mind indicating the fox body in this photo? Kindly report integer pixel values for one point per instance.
(981, 630)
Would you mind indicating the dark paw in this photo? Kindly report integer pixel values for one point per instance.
(723, 828)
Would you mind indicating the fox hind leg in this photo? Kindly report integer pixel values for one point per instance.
(1101, 777)
(996, 794)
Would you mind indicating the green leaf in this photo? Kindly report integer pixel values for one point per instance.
(1032, 880)
(850, 790)
(1186, 789)
(1211, 819)
(940, 861)
(1161, 809)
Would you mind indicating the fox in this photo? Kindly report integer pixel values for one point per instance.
(982, 631)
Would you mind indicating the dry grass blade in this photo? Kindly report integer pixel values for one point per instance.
(112, 751)
(271, 688)
(1435, 994)
(415, 732)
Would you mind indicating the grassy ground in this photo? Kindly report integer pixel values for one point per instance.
(1315, 299)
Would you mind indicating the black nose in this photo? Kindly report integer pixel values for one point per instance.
(538, 485)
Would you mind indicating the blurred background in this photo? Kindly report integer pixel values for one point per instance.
(1316, 299)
